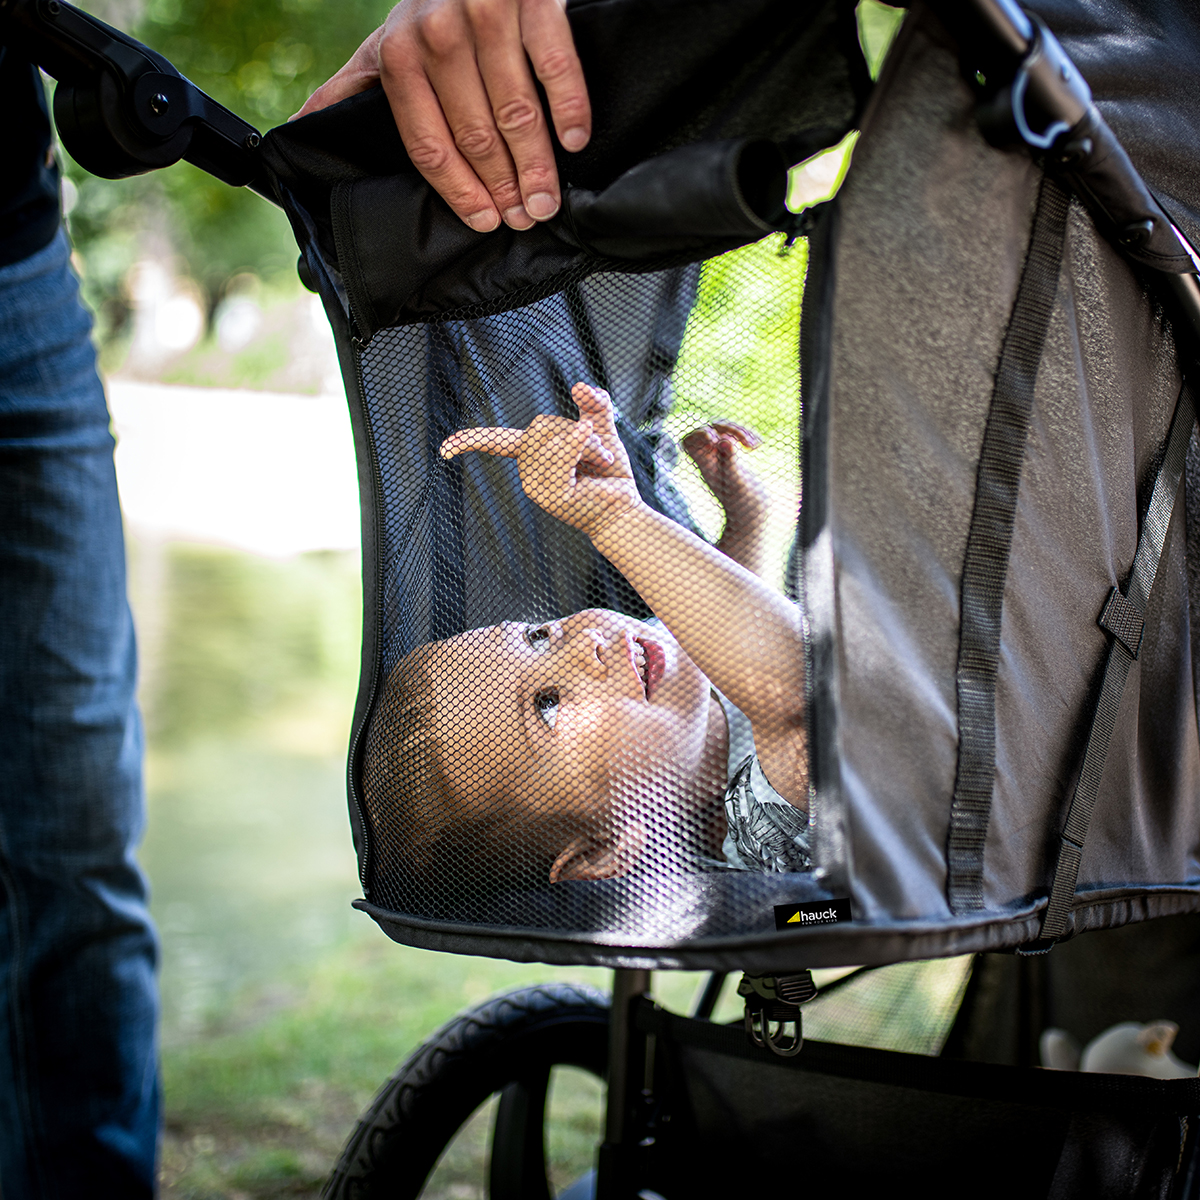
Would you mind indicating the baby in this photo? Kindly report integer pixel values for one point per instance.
(574, 749)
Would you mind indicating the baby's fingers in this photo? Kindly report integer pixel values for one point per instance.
(504, 443)
(596, 405)
(740, 433)
(570, 444)
(700, 442)
(594, 454)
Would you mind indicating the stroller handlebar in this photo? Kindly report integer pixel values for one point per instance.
(121, 108)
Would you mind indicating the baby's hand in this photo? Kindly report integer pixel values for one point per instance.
(714, 450)
(577, 471)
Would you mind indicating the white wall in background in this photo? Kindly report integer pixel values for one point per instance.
(259, 471)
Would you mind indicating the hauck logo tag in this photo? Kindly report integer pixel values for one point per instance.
(812, 912)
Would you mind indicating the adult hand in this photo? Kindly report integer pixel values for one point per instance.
(458, 81)
(577, 471)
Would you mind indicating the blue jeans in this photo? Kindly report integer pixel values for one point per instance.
(79, 1097)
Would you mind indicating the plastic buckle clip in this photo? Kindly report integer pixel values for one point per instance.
(773, 1019)
(1048, 91)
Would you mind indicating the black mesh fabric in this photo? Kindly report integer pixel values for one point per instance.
(464, 548)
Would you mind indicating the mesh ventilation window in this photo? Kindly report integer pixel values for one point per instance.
(504, 748)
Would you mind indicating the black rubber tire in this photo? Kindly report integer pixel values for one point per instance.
(398, 1140)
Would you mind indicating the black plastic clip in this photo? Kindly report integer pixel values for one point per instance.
(773, 1002)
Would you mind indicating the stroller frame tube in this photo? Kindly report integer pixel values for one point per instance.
(1046, 84)
(629, 1070)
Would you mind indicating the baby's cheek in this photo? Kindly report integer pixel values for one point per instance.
(591, 720)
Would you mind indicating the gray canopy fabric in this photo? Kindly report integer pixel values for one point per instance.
(913, 275)
(923, 268)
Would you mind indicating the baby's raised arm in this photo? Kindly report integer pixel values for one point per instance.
(743, 634)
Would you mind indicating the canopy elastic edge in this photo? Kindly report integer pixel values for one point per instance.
(826, 946)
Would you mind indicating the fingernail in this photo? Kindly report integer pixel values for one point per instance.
(483, 221)
(575, 139)
(518, 218)
(541, 206)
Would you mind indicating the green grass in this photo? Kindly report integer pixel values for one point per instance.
(255, 367)
(263, 1111)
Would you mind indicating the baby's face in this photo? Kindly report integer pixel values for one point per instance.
(583, 706)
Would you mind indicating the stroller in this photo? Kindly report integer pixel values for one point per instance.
(978, 434)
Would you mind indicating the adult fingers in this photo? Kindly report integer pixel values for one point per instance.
(358, 75)
(551, 48)
(505, 48)
(465, 48)
(501, 442)
(514, 122)
(438, 35)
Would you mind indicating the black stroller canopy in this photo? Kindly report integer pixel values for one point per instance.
(1139, 61)
(662, 75)
(663, 78)
(941, 251)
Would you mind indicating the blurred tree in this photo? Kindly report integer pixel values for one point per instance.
(244, 639)
(260, 58)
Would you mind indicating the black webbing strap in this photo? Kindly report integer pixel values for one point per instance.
(1123, 616)
(989, 542)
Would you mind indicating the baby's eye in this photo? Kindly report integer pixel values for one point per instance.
(546, 705)
(536, 634)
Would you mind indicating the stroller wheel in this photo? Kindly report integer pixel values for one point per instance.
(508, 1045)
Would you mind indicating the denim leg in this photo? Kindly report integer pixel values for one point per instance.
(79, 1099)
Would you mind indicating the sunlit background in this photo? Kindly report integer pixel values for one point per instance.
(284, 1010)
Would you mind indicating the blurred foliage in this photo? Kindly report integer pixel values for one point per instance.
(261, 59)
(740, 361)
(243, 638)
(743, 338)
(878, 25)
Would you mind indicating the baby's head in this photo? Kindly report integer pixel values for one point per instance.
(538, 752)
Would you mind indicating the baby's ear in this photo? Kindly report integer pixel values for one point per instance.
(591, 857)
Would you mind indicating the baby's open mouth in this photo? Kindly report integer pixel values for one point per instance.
(650, 661)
